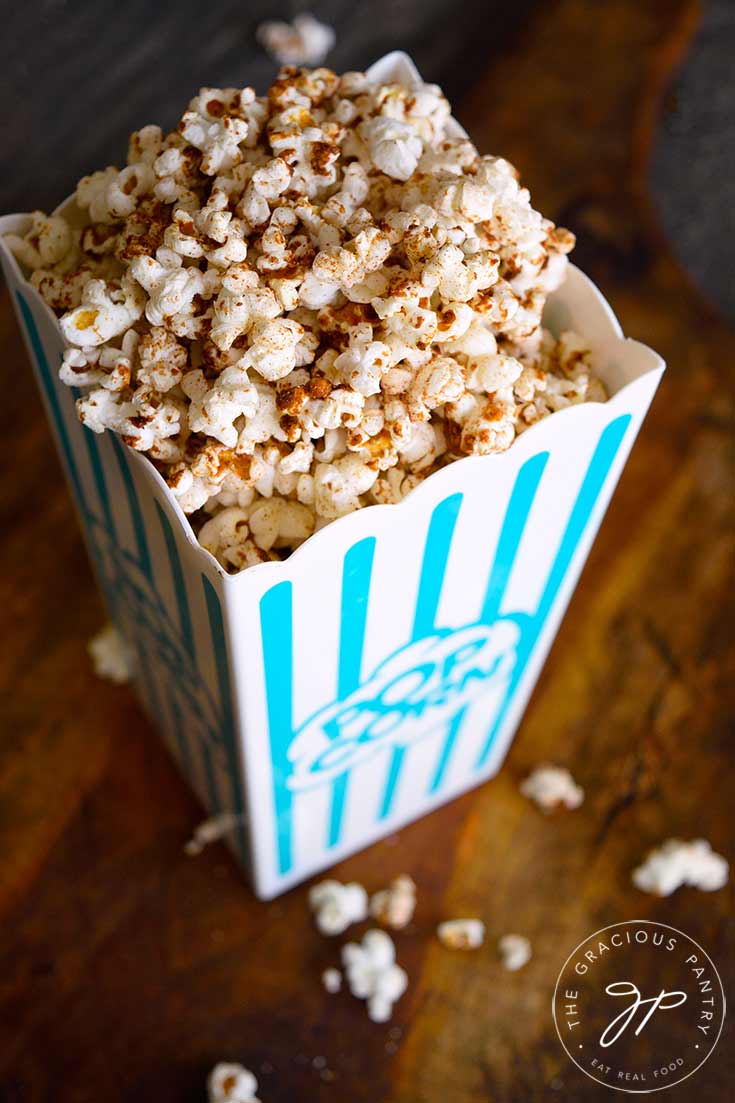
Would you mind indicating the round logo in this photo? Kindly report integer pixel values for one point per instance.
(639, 1006)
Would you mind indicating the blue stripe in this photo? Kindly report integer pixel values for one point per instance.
(433, 569)
(53, 400)
(277, 637)
(514, 523)
(511, 533)
(356, 573)
(149, 688)
(136, 513)
(234, 767)
(98, 474)
(594, 480)
(180, 738)
(49, 387)
(434, 564)
(446, 751)
(597, 472)
(391, 785)
(145, 671)
(182, 601)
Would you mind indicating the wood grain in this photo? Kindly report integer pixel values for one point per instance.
(127, 969)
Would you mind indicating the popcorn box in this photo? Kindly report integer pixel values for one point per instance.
(383, 668)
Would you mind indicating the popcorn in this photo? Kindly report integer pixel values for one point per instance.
(676, 863)
(332, 981)
(339, 485)
(171, 290)
(46, 241)
(394, 906)
(211, 831)
(461, 934)
(394, 146)
(360, 366)
(336, 906)
(216, 407)
(440, 380)
(273, 348)
(373, 975)
(106, 367)
(305, 41)
(230, 1083)
(515, 950)
(110, 656)
(103, 313)
(142, 421)
(552, 786)
(302, 304)
(218, 138)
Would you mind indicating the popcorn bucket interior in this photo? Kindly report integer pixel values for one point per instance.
(383, 667)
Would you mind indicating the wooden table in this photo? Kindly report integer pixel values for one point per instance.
(128, 969)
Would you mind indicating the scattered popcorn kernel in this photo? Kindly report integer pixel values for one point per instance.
(394, 906)
(551, 787)
(461, 934)
(373, 975)
(211, 831)
(301, 304)
(230, 1083)
(337, 906)
(332, 980)
(110, 656)
(676, 863)
(305, 41)
(515, 951)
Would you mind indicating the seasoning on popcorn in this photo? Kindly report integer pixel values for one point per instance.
(231, 1083)
(304, 303)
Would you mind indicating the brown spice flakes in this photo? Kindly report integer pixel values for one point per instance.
(290, 399)
(291, 427)
(319, 386)
(322, 156)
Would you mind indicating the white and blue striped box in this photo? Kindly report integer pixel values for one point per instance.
(383, 668)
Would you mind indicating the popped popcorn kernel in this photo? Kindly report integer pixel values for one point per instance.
(305, 41)
(337, 906)
(111, 658)
(394, 906)
(302, 304)
(552, 787)
(332, 981)
(211, 831)
(461, 934)
(676, 863)
(373, 975)
(515, 951)
(231, 1083)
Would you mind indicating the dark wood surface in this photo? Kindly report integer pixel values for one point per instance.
(127, 969)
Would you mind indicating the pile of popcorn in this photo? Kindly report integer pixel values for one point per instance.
(304, 303)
